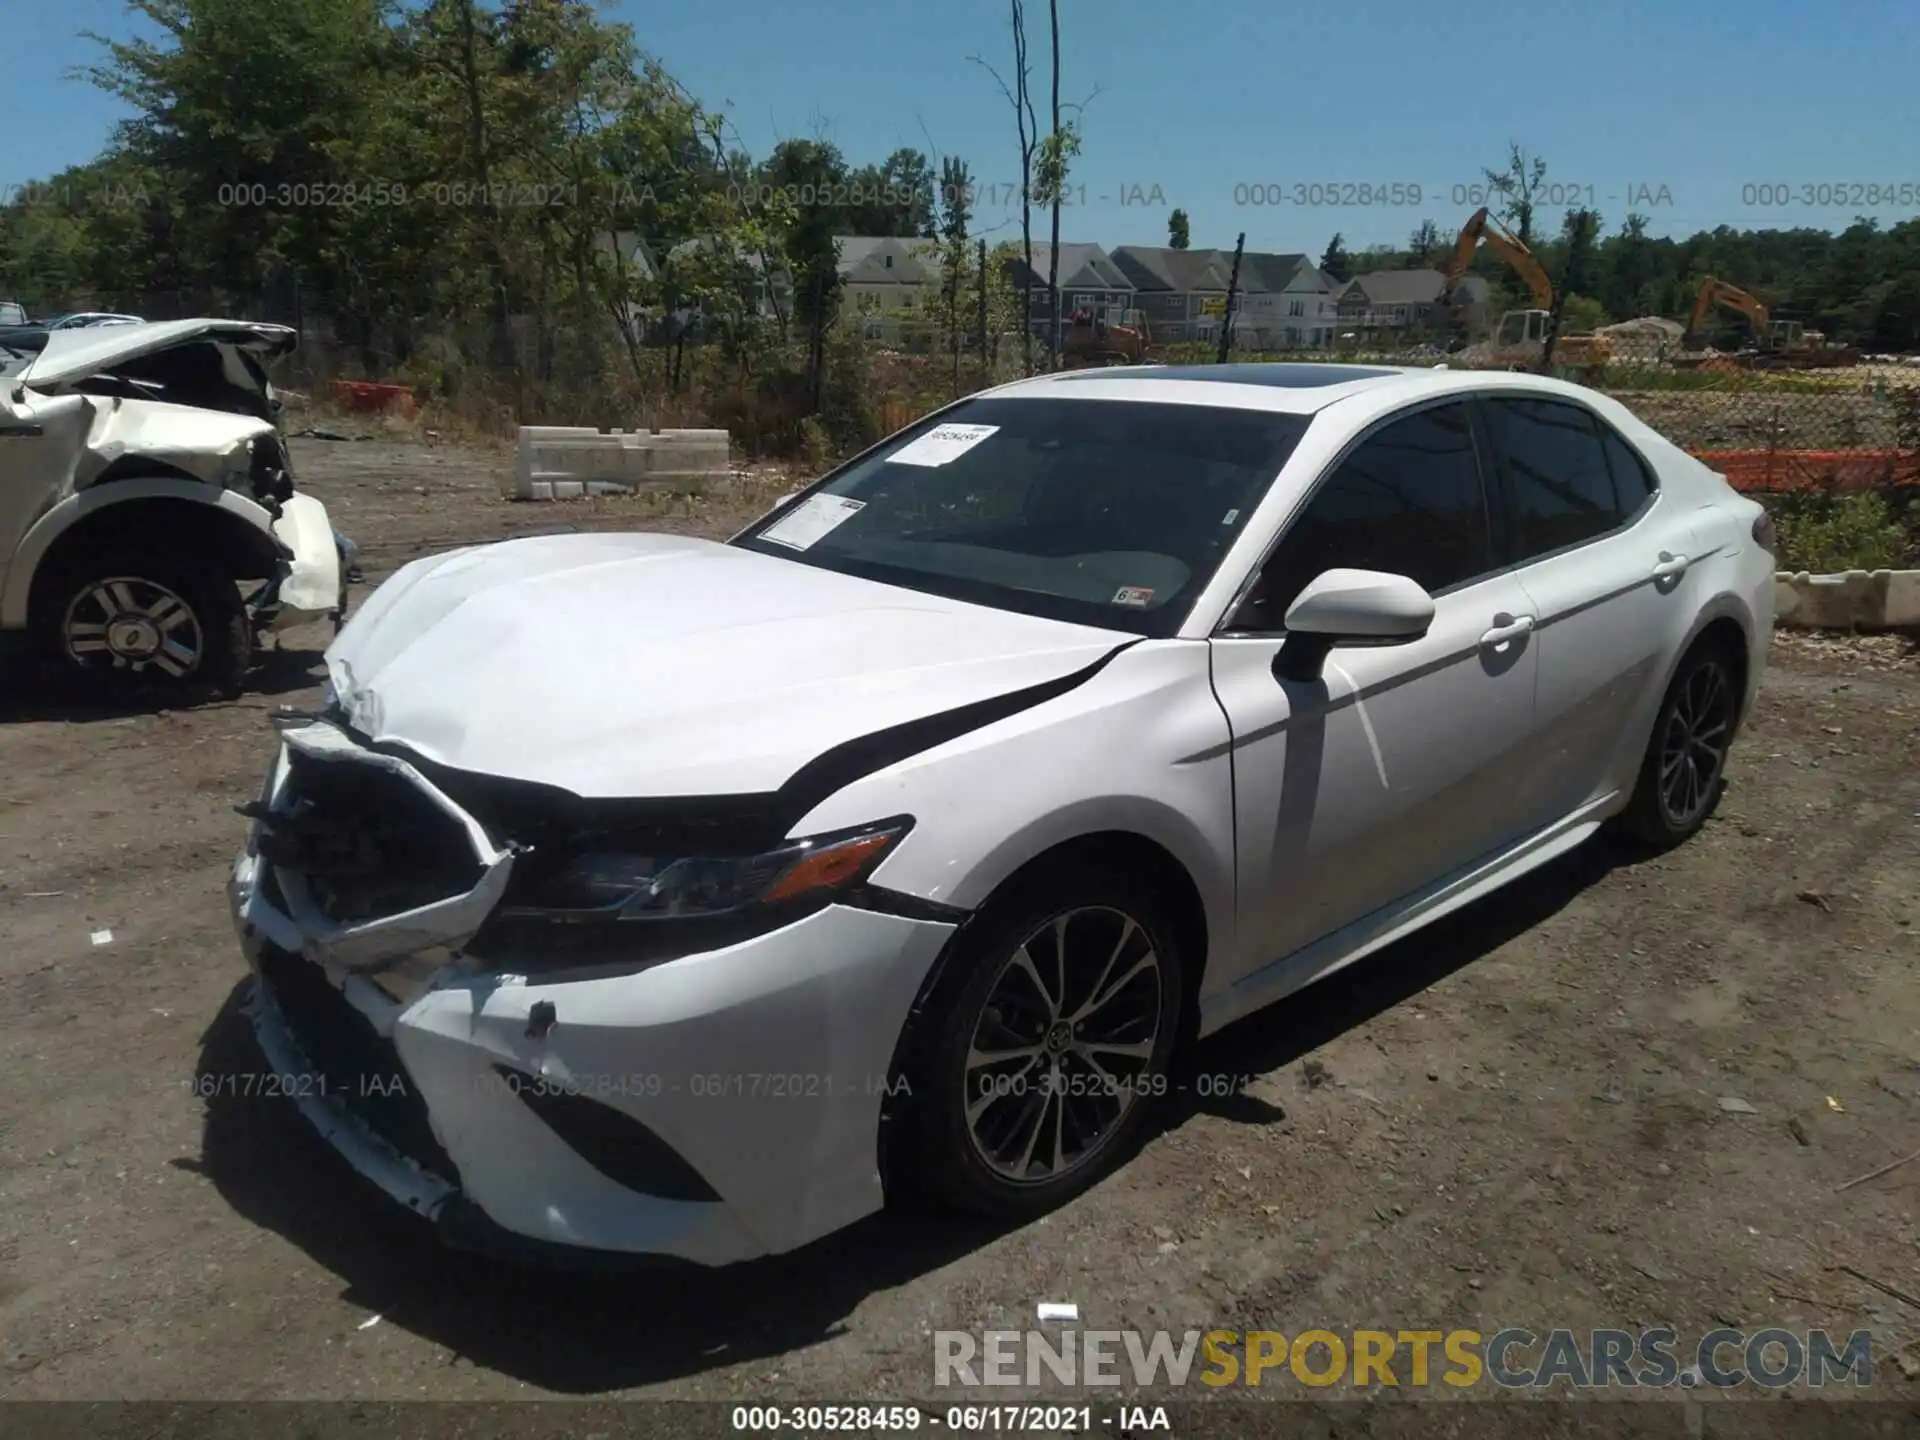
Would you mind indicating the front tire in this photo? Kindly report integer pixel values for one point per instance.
(1050, 1044)
(133, 626)
(1684, 773)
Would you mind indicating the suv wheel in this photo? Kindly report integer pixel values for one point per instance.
(144, 626)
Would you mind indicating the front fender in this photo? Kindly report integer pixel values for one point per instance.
(1143, 748)
(74, 508)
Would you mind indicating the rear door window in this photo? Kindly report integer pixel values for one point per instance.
(1559, 486)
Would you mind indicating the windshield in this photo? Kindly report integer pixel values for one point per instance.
(1101, 512)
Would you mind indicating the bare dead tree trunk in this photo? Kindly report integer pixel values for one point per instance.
(483, 179)
(622, 307)
(1059, 179)
(1020, 96)
(1029, 136)
(986, 365)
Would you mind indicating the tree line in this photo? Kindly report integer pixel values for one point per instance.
(397, 165)
(1861, 286)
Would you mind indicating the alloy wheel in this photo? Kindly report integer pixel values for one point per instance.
(125, 623)
(1693, 748)
(1064, 1044)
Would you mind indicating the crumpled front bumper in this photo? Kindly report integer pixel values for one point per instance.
(313, 582)
(760, 1068)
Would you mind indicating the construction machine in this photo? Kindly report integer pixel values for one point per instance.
(1088, 341)
(1519, 342)
(1776, 343)
(1718, 292)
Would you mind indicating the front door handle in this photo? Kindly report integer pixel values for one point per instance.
(22, 432)
(1512, 629)
(1670, 565)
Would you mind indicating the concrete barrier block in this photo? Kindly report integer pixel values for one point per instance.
(1851, 600)
(677, 461)
(1903, 599)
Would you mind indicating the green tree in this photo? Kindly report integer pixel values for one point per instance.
(907, 176)
(956, 259)
(1055, 159)
(1424, 245)
(811, 172)
(1335, 260)
(1177, 236)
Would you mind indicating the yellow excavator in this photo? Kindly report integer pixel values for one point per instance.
(1718, 292)
(1775, 342)
(1520, 340)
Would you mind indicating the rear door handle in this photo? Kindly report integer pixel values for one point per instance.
(22, 432)
(1670, 565)
(1512, 630)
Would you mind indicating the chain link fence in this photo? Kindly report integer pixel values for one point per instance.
(1835, 445)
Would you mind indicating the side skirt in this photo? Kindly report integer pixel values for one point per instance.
(1323, 957)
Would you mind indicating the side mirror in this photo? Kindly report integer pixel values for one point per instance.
(1350, 607)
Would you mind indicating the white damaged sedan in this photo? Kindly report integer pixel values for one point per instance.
(648, 894)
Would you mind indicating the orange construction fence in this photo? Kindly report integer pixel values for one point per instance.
(1770, 470)
(366, 395)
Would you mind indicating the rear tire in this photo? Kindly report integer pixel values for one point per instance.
(1684, 773)
(1017, 1136)
(128, 625)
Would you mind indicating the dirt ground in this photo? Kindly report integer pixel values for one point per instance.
(1515, 1118)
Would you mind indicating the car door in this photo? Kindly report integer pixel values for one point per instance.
(1604, 562)
(1392, 770)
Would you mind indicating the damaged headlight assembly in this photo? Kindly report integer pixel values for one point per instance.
(609, 908)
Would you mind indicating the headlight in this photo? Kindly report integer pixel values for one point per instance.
(611, 885)
(608, 910)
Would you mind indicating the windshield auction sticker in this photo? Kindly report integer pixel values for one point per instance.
(813, 521)
(941, 445)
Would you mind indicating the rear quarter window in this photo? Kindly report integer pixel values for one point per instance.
(1632, 475)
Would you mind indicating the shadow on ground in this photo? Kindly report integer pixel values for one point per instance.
(589, 1333)
(27, 693)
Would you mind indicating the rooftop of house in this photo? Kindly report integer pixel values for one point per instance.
(1161, 268)
(1409, 287)
(1081, 267)
(1262, 270)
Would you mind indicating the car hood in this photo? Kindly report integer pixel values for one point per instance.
(639, 665)
(78, 353)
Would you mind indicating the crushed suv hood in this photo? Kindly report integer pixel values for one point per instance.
(622, 665)
(76, 354)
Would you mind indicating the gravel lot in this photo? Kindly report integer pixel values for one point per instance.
(1513, 1118)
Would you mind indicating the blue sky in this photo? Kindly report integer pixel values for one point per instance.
(1705, 112)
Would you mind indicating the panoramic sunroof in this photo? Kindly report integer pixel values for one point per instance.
(1280, 376)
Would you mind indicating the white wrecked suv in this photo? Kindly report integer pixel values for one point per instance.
(150, 529)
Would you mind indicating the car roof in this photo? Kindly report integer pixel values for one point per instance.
(1289, 387)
